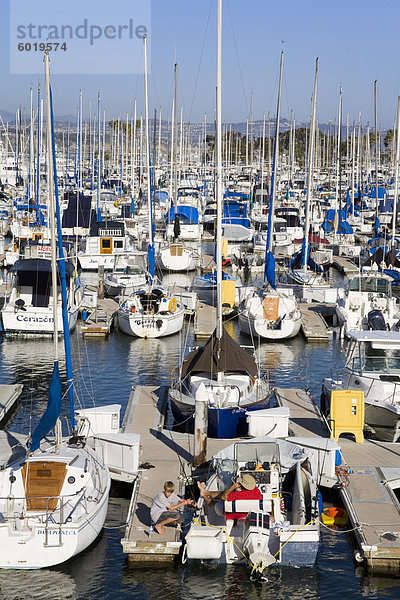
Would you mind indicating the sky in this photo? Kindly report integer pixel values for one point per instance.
(357, 41)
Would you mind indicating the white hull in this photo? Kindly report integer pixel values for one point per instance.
(35, 320)
(177, 258)
(32, 537)
(150, 326)
(251, 325)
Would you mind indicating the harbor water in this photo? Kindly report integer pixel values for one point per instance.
(105, 371)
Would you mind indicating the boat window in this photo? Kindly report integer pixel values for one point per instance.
(118, 244)
(370, 284)
(380, 360)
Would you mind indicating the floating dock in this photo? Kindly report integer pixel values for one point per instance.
(344, 265)
(366, 483)
(100, 319)
(165, 455)
(9, 395)
(205, 320)
(314, 326)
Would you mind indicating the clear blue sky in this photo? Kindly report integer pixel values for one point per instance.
(357, 41)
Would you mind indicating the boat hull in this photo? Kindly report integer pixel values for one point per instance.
(150, 326)
(223, 423)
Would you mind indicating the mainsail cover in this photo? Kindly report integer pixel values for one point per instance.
(52, 412)
(217, 356)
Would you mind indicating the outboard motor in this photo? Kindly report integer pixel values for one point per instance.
(376, 320)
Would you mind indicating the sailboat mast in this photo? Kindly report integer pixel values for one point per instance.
(310, 168)
(396, 172)
(219, 172)
(376, 146)
(146, 118)
(50, 185)
(275, 162)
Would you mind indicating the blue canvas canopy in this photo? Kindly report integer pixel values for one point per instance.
(186, 214)
(343, 225)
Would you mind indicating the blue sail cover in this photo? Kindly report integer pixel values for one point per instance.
(187, 214)
(269, 271)
(151, 261)
(381, 192)
(343, 225)
(52, 412)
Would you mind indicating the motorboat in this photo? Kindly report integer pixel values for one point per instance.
(373, 367)
(279, 526)
(367, 303)
(28, 308)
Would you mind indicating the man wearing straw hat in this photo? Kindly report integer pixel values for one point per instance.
(245, 488)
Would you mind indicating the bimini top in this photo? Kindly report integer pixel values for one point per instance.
(29, 265)
(218, 356)
(386, 338)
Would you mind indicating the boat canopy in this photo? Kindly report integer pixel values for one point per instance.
(186, 214)
(35, 265)
(218, 356)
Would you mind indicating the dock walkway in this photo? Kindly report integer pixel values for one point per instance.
(313, 326)
(367, 491)
(165, 455)
(100, 319)
(9, 394)
(344, 265)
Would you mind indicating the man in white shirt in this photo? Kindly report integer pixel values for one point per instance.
(165, 508)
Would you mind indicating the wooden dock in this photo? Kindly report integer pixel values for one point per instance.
(205, 320)
(305, 417)
(100, 320)
(371, 503)
(344, 265)
(165, 455)
(314, 326)
(367, 491)
(9, 395)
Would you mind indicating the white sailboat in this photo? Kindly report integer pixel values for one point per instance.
(150, 313)
(270, 312)
(220, 373)
(53, 495)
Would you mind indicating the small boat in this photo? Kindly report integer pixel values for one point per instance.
(270, 314)
(127, 276)
(280, 525)
(150, 313)
(28, 309)
(226, 376)
(373, 367)
(367, 303)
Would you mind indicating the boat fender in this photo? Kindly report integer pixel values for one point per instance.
(172, 305)
(133, 309)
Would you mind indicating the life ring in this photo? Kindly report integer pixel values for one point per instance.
(172, 305)
(334, 516)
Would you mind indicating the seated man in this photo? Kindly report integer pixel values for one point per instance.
(165, 508)
(245, 488)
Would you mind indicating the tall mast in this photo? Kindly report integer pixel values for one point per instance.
(396, 172)
(275, 162)
(376, 146)
(310, 168)
(219, 172)
(50, 183)
(146, 118)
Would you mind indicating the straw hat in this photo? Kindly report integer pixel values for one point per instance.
(247, 482)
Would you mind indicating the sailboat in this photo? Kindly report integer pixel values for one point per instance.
(270, 312)
(221, 373)
(150, 312)
(54, 493)
(307, 281)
